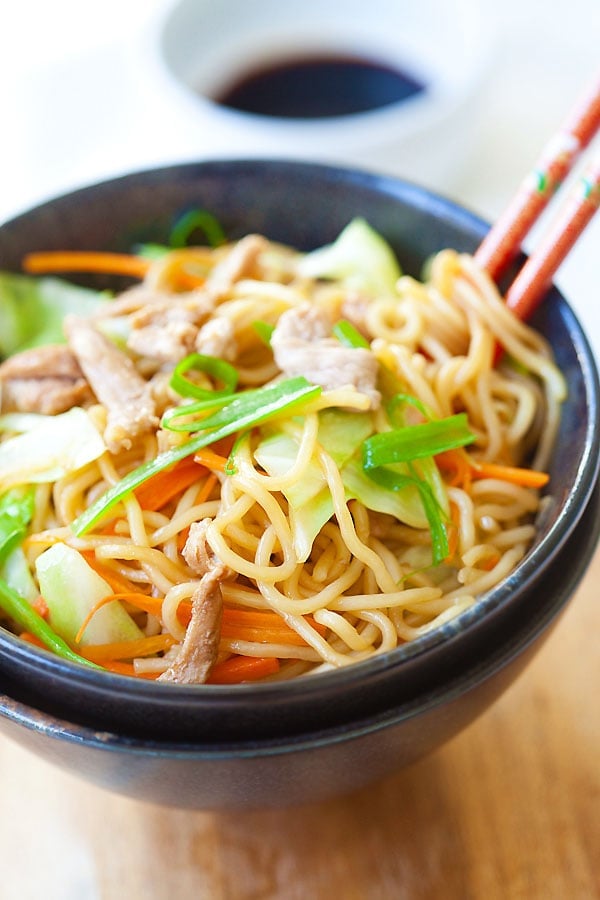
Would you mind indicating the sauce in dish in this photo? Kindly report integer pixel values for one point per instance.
(319, 87)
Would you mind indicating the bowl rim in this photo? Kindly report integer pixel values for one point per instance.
(535, 561)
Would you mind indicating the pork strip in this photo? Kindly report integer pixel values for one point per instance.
(116, 383)
(200, 646)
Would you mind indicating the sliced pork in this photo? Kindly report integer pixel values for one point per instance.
(116, 383)
(200, 646)
(302, 345)
(44, 380)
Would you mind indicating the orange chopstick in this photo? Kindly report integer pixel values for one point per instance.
(503, 241)
(535, 278)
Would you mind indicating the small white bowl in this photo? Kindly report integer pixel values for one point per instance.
(197, 46)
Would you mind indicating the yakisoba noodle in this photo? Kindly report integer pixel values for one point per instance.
(364, 582)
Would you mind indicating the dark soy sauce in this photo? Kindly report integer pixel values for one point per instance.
(319, 87)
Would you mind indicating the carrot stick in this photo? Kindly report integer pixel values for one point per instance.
(117, 582)
(146, 646)
(452, 532)
(48, 261)
(457, 462)
(242, 668)
(125, 668)
(466, 469)
(32, 639)
(162, 487)
(265, 627)
(531, 478)
(211, 460)
(41, 607)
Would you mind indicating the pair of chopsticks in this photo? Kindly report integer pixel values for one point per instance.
(503, 242)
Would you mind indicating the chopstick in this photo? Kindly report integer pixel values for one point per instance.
(503, 241)
(533, 281)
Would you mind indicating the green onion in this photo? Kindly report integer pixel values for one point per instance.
(215, 401)
(151, 251)
(29, 620)
(416, 441)
(394, 481)
(243, 411)
(191, 221)
(264, 330)
(210, 365)
(399, 400)
(348, 335)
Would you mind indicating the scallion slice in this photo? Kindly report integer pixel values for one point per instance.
(245, 410)
(416, 441)
(211, 365)
(349, 336)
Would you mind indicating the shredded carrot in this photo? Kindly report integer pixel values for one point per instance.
(145, 646)
(490, 563)
(210, 459)
(265, 627)
(205, 491)
(41, 607)
(237, 624)
(32, 639)
(456, 462)
(154, 493)
(47, 261)
(463, 470)
(117, 582)
(531, 478)
(237, 669)
(186, 281)
(125, 668)
(150, 605)
(452, 532)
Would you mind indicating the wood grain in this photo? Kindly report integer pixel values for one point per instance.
(508, 809)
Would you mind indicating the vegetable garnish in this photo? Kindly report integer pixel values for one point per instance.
(194, 220)
(157, 491)
(29, 620)
(525, 477)
(16, 510)
(45, 261)
(407, 445)
(394, 481)
(209, 365)
(466, 469)
(143, 646)
(348, 335)
(264, 330)
(416, 441)
(243, 668)
(245, 410)
(237, 407)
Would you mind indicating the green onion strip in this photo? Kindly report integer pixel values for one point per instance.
(244, 410)
(406, 445)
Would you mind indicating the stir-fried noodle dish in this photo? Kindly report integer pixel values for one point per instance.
(258, 463)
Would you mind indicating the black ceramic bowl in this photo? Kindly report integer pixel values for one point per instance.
(221, 746)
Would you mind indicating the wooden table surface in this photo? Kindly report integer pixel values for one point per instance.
(508, 809)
